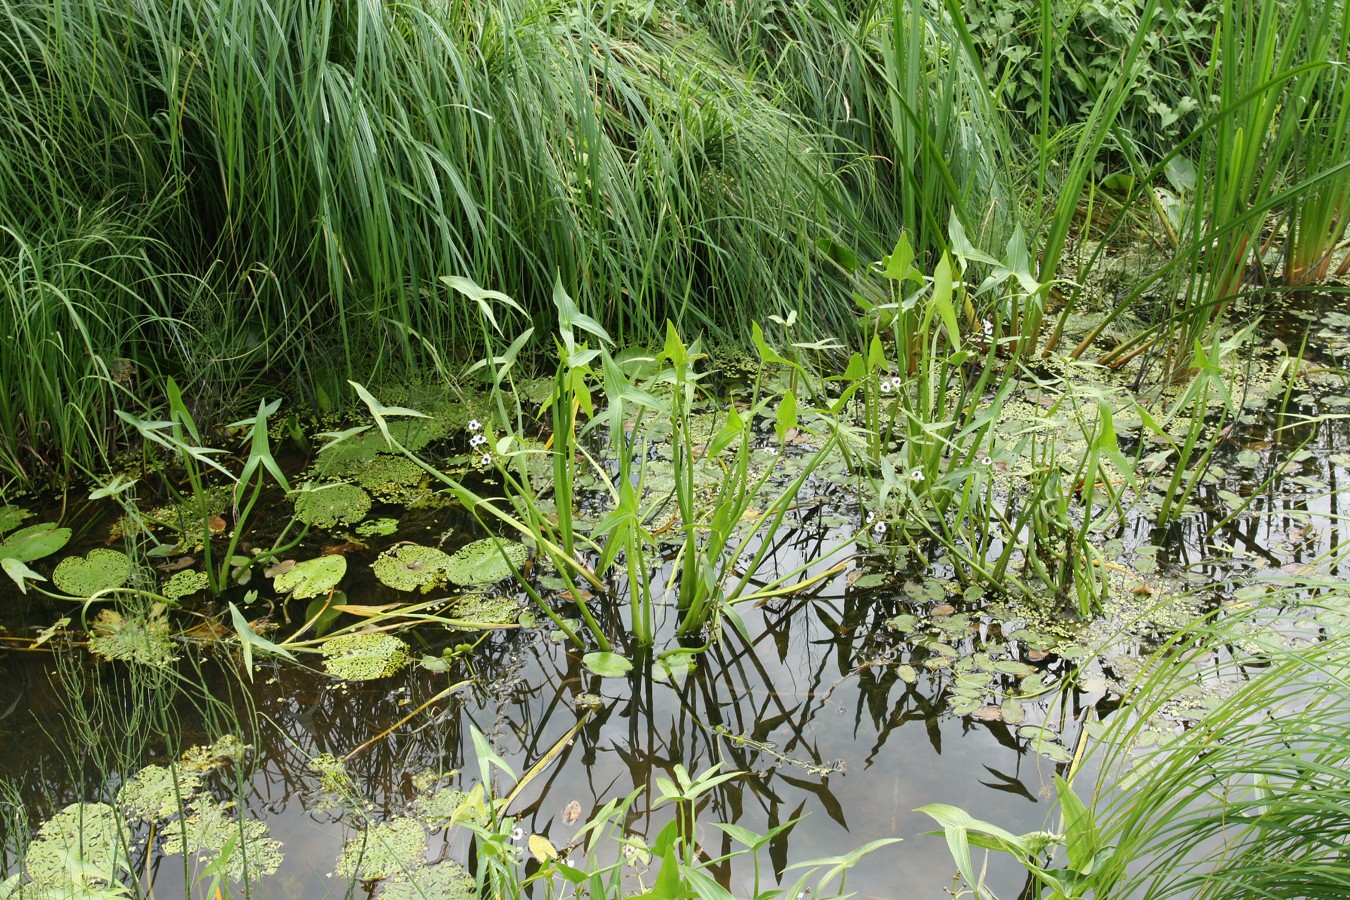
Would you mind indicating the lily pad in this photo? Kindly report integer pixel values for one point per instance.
(214, 834)
(607, 665)
(34, 542)
(411, 567)
(481, 562)
(384, 850)
(332, 504)
(364, 656)
(93, 833)
(184, 584)
(312, 577)
(84, 576)
(377, 527)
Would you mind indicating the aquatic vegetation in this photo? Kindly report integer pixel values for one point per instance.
(409, 567)
(27, 544)
(141, 638)
(86, 576)
(328, 505)
(364, 655)
(311, 577)
(85, 848)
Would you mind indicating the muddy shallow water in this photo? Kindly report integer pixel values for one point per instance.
(832, 711)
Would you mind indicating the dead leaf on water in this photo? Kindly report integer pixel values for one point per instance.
(216, 524)
(361, 609)
(571, 812)
(987, 714)
(280, 568)
(942, 610)
(176, 565)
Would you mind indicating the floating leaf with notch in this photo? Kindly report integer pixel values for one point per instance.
(312, 577)
(85, 576)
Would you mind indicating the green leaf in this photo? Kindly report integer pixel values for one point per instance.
(899, 265)
(785, 417)
(34, 542)
(312, 577)
(469, 288)
(84, 576)
(249, 639)
(606, 664)
(20, 573)
(942, 300)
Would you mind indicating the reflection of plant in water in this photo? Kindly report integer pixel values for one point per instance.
(1223, 777)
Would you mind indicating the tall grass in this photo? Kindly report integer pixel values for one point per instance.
(238, 187)
(304, 173)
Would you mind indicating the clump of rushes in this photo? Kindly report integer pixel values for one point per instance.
(721, 546)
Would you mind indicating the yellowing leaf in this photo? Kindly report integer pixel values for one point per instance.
(542, 849)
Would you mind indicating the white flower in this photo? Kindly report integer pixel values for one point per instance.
(477, 440)
(988, 328)
(569, 863)
(896, 383)
(986, 460)
(517, 833)
(485, 459)
(772, 451)
(879, 529)
(916, 475)
(885, 385)
(475, 425)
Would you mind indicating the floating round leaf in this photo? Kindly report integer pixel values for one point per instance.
(411, 567)
(607, 665)
(34, 542)
(482, 562)
(312, 577)
(184, 584)
(84, 576)
(332, 504)
(364, 656)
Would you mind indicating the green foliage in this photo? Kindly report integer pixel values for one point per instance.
(1163, 104)
(99, 570)
(364, 656)
(311, 577)
(325, 506)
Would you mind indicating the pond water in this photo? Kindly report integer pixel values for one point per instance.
(839, 714)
